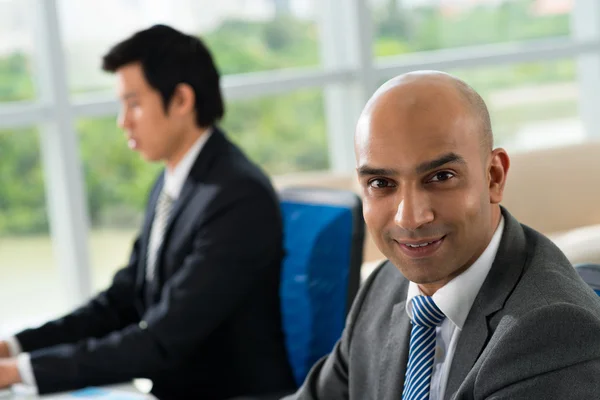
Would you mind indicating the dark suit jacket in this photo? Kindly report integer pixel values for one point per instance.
(533, 332)
(209, 325)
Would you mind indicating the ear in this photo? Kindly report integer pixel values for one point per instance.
(183, 100)
(497, 172)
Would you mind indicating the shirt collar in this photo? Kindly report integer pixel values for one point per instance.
(174, 179)
(457, 296)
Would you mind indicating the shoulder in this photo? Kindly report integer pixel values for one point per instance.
(550, 279)
(227, 174)
(558, 337)
(546, 338)
(384, 288)
(557, 319)
(233, 163)
(385, 281)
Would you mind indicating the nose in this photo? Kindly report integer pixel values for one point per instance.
(414, 210)
(123, 120)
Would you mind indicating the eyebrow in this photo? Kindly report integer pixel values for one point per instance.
(438, 162)
(420, 169)
(366, 170)
(129, 95)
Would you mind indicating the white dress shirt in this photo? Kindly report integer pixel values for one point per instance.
(175, 178)
(174, 181)
(455, 300)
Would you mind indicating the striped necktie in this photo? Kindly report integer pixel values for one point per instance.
(161, 218)
(426, 316)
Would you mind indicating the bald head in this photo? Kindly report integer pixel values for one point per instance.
(479, 111)
(434, 92)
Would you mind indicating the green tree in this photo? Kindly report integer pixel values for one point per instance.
(15, 78)
(22, 208)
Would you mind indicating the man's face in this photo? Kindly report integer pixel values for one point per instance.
(148, 128)
(424, 175)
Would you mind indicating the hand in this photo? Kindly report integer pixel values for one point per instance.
(4, 353)
(9, 372)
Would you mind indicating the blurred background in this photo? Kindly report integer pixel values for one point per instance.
(296, 75)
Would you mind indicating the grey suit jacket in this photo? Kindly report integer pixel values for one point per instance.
(533, 332)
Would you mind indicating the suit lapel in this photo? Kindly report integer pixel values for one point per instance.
(196, 176)
(189, 187)
(502, 278)
(470, 344)
(395, 357)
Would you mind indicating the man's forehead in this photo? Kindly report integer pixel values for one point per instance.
(441, 125)
(452, 131)
(393, 149)
(130, 88)
(427, 148)
(130, 75)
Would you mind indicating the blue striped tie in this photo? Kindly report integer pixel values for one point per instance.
(426, 316)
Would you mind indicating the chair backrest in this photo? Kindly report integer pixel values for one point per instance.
(571, 191)
(590, 273)
(324, 235)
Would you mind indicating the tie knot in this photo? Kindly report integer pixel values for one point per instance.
(425, 312)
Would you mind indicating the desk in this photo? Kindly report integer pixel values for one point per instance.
(121, 388)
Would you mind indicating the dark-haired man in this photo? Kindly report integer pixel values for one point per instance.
(196, 309)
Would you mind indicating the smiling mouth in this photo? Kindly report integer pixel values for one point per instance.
(421, 248)
(421, 243)
(415, 246)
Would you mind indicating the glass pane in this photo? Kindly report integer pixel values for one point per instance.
(532, 105)
(16, 46)
(283, 133)
(30, 286)
(404, 26)
(243, 35)
(117, 183)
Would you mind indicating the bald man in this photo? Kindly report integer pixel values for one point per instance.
(470, 304)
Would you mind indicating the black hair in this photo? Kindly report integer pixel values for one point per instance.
(168, 58)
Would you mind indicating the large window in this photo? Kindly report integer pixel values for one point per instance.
(243, 35)
(29, 279)
(404, 26)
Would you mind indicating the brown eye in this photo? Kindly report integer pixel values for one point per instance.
(379, 183)
(442, 176)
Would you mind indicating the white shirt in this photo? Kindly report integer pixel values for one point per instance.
(455, 300)
(175, 178)
(174, 181)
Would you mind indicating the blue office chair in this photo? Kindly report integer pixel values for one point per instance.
(590, 273)
(324, 236)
